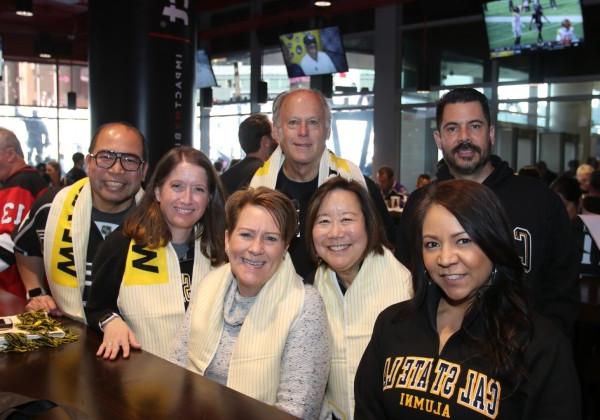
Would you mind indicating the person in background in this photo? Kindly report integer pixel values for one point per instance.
(37, 136)
(536, 17)
(530, 171)
(61, 234)
(572, 165)
(565, 35)
(388, 185)
(590, 202)
(41, 169)
(422, 180)
(546, 174)
(592, 161)
(257, 143)
(542, 233)
(468, 345)
(302, 124)
(583, 174)
(54, 172)
(76, 172)
(252, 324)
(20, 186)
(516, 26)
(315, 61)
(569, 192)
(144, 275)
(357, 277)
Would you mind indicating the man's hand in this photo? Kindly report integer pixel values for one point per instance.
(44, 302)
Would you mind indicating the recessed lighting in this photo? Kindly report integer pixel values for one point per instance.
(24, 8)
(322, 3)
(45, 55)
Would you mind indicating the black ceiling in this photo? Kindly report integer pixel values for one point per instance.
(223, 26)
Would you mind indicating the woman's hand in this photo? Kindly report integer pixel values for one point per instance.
(117, 336)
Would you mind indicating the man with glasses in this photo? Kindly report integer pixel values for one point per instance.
(63, 230)
(302, 124)
(20, 186)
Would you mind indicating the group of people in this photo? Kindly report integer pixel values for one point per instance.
(279, 298)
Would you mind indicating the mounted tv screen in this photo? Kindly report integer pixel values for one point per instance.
(515, 27)
(313, 52)
(204, 72)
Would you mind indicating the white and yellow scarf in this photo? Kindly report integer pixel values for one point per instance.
(151, 296)
(255, 363)
(65, 246)
(330, 165)
(381, 282)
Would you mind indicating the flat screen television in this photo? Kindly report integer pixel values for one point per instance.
(515, 27)
(314, 52)
(205, 77)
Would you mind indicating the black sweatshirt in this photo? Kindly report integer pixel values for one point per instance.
(403, 376)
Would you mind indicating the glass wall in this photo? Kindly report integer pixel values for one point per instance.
(33, 104)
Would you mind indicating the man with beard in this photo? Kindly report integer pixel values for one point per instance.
(60, 236)
(541, 227)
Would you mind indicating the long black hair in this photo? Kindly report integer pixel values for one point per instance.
(501, 303)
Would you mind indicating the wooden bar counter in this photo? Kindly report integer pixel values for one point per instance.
(142, 387)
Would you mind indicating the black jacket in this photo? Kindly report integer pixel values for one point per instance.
(543, 239)
(240, 174)
(402, 375)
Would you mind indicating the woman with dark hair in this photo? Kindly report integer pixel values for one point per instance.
(467, 346)
(357, 276)
(143, 276)
(253, 325)
(54, 172)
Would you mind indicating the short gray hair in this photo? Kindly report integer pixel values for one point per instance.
(9, 139)
(278, 103)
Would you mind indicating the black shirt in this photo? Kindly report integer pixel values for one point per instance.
(240, 174)
(404, 375)
(300, 193)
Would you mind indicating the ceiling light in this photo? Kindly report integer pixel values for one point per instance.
(24, 7)
(43, 46)
(322, 3)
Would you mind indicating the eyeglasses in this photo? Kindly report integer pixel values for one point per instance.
(105, 159)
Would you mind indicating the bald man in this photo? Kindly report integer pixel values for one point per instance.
(60, 237)
(20, 186)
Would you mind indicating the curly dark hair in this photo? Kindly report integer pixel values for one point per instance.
(501, 304)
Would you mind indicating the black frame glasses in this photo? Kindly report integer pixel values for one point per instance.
(106, 159)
